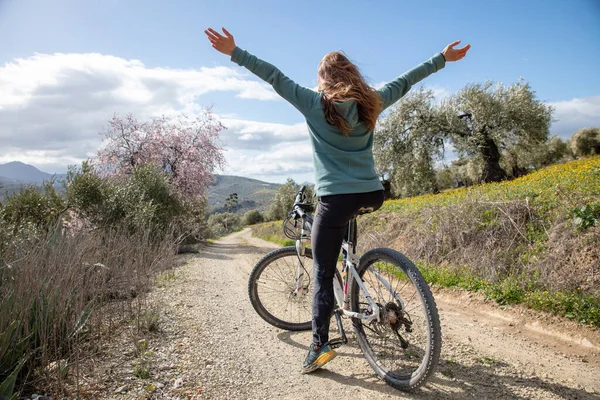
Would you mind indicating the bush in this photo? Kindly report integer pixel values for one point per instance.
(252, 217)
(51, 293)
(135, 201)
(61, 258)
(284, 200)
(586, 142)
(222, 224)
(586, 216)
(39, 206)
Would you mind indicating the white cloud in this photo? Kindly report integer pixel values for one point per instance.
(575, 114)
(283, 160)
(246, 134)
(52, 106)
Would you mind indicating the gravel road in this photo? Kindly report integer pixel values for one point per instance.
(213, 345)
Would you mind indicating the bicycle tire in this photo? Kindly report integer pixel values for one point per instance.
(289, 255)
(411, 373)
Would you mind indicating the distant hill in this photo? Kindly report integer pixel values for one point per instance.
(252, 193)
(18, 172)
(15, 174)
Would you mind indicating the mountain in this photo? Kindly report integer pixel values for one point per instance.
(17, 172)
(252, 193)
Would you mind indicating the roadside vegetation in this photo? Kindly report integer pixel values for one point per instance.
(75, 267)
(534, 240)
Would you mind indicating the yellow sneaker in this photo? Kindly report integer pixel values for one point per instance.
(317, 357)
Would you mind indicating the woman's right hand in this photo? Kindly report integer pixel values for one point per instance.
(451, 54)
(224, 44)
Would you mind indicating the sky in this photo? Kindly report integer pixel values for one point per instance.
(67, 66)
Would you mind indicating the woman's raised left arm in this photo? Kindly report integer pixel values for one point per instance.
(300, 97)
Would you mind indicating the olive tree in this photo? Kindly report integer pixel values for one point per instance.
(518, 160)
(484, 119)
(407, 143)
(284, 199)
(585, 142)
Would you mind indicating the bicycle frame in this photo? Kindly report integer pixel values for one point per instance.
(351, 261)
(387, 315)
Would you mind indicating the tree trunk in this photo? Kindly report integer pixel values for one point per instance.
(387, 188)
(492, 171)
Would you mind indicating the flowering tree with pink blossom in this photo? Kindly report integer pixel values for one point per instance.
(186, 149)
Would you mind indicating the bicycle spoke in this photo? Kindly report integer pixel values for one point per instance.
(384, 337)
(276, 287)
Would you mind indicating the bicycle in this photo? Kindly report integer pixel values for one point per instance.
(400, 340)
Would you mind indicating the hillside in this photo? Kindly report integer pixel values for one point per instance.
(252, 193)
(534, 240)
(17, 172)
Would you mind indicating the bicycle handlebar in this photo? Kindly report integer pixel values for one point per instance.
(300, 195)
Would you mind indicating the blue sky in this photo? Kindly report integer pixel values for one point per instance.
(554, 45)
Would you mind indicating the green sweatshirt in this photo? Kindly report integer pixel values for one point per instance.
(343, 164)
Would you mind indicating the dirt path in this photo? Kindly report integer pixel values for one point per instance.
(213, 345)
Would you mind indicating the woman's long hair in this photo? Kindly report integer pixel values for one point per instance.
(340, 80)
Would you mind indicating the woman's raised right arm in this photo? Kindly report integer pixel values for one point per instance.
(300, 97)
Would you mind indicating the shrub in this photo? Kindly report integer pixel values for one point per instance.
(221, 224)
(51, 292)
(252, 217)
(586, 216)
(284, 200)
(39, 206)
(143, 198)
(586, 142)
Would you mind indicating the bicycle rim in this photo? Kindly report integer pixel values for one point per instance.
(273, 292)
(403, 347)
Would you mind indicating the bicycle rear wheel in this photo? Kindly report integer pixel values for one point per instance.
(403, 347)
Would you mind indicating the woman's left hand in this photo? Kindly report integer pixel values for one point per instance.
(225, 44)
(452, 54)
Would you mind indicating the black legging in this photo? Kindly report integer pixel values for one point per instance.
(329, 227)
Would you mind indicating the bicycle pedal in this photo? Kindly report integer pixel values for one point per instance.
(336, 343)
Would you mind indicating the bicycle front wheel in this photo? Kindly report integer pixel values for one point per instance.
(403, 344)
(275, 293)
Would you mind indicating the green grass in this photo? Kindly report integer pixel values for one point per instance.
(511, 290)
(272, 232)
(278, 240)
(568, 192)
(517, 290)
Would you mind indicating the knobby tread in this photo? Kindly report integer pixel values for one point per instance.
(435, 336)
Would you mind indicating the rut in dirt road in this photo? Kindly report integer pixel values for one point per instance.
(214, 345)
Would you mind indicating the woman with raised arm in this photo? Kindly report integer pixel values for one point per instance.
(341, 118)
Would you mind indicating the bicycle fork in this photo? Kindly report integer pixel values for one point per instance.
(300, 251)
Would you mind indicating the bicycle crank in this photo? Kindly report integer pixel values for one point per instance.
(335, 343)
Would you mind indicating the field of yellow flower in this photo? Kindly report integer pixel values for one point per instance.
(515, 241)
(574, 182)
(547, 263)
